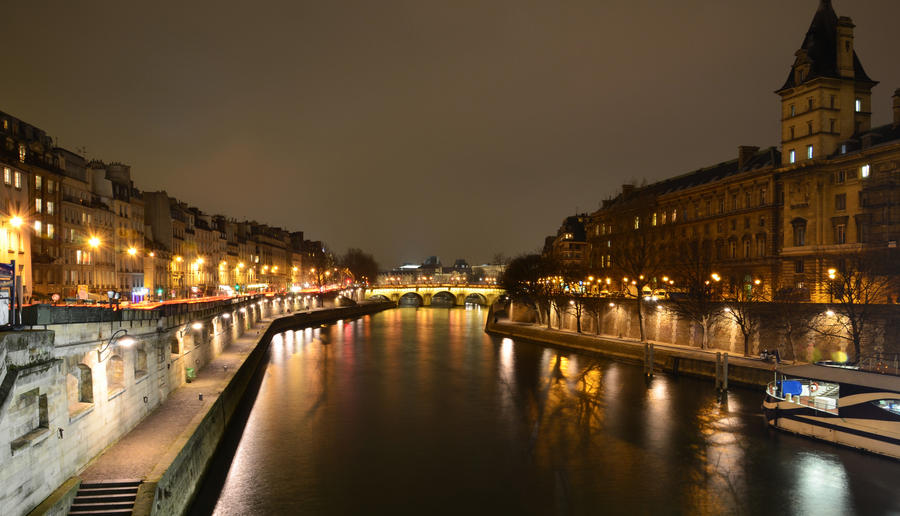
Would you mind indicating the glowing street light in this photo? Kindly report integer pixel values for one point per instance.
(132, 251)
(16, 221)
(716, 277)
(94, 242)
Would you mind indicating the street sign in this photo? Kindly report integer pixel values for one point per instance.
(8, 269)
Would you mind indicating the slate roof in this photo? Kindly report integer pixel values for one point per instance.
(820, 44)
(769, 157)
(881, 135)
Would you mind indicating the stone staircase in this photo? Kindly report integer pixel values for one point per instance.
(110, 497)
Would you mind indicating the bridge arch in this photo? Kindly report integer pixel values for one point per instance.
(476, 298)
(379, 297)
(411, 299)
(444, 299)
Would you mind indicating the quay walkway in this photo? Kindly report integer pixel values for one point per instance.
(670, 358)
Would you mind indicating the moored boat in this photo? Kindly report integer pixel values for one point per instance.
(840, 405)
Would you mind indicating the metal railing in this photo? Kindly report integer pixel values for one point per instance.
(884, 363)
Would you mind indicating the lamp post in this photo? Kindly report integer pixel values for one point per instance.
(832, 275)
(121, 336)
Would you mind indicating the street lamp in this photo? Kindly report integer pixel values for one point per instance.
(16, 221)
(121, 336)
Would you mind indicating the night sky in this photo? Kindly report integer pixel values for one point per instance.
(457, 129)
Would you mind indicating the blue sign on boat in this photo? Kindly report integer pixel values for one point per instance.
(7, 269)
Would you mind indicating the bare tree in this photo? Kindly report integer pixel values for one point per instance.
(790, 316)
(639, 260)
(532, 280)
(744, 306)
(695, 296)
(856, 283)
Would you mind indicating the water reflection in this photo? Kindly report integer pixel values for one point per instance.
(417, 411)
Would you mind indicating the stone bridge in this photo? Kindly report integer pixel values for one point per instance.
(436, 295)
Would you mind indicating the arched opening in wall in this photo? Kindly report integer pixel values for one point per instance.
(411, 299)
(115, 375)
(80, 389)
(443, 300)
(379, 297)
(140, 362)
(475, 299)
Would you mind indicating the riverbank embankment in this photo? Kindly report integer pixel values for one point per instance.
(667, 358)
(168, 452)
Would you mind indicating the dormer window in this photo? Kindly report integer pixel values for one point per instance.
(792, 156)
(859, 105)
(864, 171)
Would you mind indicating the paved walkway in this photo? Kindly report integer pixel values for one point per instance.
(592, 342)
(136, 454)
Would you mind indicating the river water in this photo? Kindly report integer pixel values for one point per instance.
(417, 411)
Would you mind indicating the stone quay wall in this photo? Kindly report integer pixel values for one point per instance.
(670, 360)
(175, 480)
(63, 401)
(775, 320)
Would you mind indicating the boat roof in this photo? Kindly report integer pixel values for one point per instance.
(844, 375)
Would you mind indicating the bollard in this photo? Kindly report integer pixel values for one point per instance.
(725, 372)
(718, 370)
(201, 396)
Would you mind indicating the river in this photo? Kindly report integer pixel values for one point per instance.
(417, 411)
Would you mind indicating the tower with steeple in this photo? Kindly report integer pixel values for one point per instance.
(827, 96)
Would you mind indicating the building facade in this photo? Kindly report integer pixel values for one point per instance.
(779, 218)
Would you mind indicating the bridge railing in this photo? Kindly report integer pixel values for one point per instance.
(490, 286)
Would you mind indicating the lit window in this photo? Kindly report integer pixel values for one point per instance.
(674, 215)
(37, 182)
(37, 205)
(78, 256)
(653, 220)
(843, 148)
(664, 217)
(18, 179)
(637, 223)
(792, 156)
(864, 171)
(21, 152)
(809, 152)
(858, 105)
(50, 231)
(7, 176)
(793, 110)
(49, 207)
(37, 227)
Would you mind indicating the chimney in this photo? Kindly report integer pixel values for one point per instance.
(896, 98)
(627, 190)
(745, 153)
(845, 47)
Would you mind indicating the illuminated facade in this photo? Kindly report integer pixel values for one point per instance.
(781, 217)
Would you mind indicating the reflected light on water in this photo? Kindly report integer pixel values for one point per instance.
(506, 358)
(510, 427)
(821, 486)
